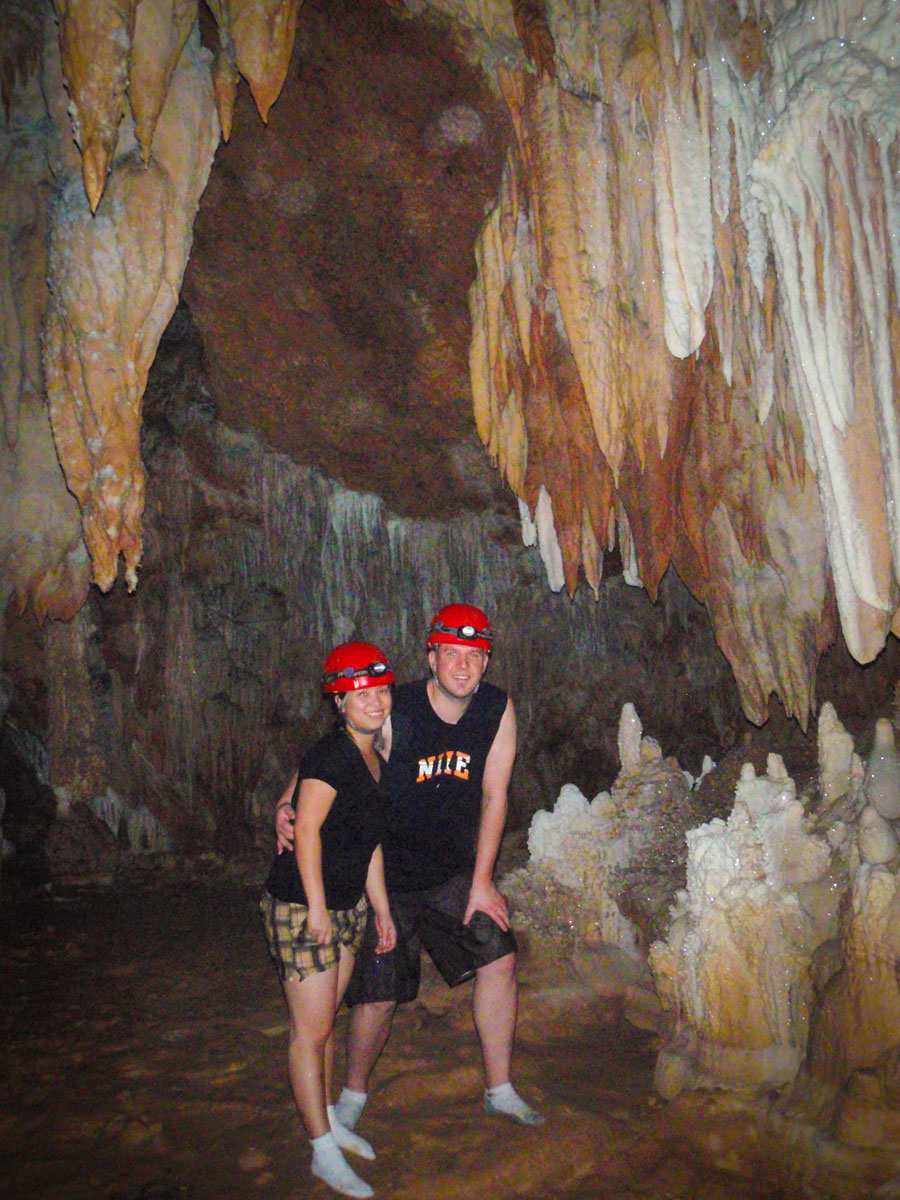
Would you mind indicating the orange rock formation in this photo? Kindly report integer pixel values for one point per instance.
(685, 327)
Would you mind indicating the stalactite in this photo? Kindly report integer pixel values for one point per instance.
(95, 39)
(262, 33)
(142, 113)
(42, 555)
(115, 279)
(764, 155)
(161, 30)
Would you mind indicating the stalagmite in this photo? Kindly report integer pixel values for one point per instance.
(859, 1016)
(733, 970)
(883, 772)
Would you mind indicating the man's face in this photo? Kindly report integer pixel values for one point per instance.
(458, 668)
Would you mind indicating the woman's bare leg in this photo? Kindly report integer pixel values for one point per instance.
(311, 1005)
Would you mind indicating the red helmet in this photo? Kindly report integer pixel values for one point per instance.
(354, 665)
(460, 625)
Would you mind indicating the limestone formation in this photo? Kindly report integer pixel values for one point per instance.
(883, 772)
(683, 318)
(762, 151)
(110, 109)
(876, 840)
(733, 972)
(115, 276)
(782, 953)
(583, 847)
(858, 1017)
(607, 869)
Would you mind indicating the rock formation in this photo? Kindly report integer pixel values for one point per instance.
(773, 970)
(709, 392)
(780, 964)
(112, 186)
(683, 319)
(191, 697)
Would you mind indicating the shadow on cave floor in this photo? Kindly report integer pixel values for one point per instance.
(143, 1058)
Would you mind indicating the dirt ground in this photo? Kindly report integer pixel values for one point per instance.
(143, 1057)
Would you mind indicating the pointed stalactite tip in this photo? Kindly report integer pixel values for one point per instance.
(94, 170)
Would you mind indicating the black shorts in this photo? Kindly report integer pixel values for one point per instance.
(433, 919)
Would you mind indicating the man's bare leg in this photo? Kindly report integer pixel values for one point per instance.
(370, 1028)
(494, 1007)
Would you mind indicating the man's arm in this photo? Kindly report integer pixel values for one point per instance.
(284, 817)
(484, 896)
(284, 810)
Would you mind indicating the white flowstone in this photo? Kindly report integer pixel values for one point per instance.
(877, 840)
(733, 971)
(883, 772)
(580, 845)
(835, 752)
(630, 731)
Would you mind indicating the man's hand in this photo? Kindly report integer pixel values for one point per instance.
(387, 934)
(484, 897)
(284, 827)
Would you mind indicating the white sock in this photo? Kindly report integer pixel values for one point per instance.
(506, 1101)
(347, 1140)
(349, 1107)
(329, 1165)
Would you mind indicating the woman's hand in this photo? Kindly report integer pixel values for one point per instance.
(318, 922)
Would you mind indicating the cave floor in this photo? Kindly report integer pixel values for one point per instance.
(143, 1056)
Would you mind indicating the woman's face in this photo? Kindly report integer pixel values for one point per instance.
(368, 708)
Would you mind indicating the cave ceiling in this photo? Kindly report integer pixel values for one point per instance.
(648, 251)
(333, 254)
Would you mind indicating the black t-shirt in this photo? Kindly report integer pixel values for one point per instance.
(433, 792)
(350, 832)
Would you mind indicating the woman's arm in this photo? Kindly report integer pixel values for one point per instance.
(378, 898)
(313, 802)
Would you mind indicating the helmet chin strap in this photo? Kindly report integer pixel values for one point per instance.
(356, 729)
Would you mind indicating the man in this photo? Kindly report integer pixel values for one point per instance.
(451, 741)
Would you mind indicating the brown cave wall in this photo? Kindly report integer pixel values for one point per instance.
(179, 710)
(191, 697)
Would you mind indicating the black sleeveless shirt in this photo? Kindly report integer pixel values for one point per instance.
(433, 793)
(350, 832)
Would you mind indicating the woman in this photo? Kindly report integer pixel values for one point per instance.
(314, 906)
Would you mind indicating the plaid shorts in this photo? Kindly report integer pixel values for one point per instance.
(296, 954)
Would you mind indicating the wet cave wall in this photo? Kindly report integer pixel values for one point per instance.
(169, 720)
(314, 468)
(175, 715)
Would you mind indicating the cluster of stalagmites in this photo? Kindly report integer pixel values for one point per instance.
(778, 960)
(685, 316)
(113, 113)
